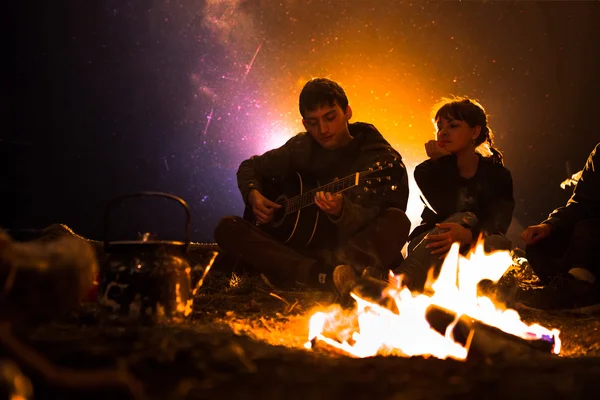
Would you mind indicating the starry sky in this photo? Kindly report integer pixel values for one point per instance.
(119, 96)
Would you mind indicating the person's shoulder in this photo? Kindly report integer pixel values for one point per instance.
(371, 141)
(299, 139)
(424, 163)
(491, 163)
(495, 168)
(368, 136)
(364, 129)
(300, 142)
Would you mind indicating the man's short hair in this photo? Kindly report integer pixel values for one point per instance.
(319, 92)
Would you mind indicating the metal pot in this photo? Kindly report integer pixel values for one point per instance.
(147, 278)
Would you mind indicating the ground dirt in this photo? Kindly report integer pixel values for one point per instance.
(244, 342)
(246, 339)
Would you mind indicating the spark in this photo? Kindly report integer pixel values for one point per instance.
(166, 164)
(208, 120)
(249, 66)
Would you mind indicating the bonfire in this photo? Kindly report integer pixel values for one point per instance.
(405, 328)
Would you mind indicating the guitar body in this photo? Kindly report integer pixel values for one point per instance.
(299, 222)
(303, 228)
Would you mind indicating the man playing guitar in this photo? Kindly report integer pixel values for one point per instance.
(333, 219)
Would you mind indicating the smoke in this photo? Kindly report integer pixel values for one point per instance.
(230, 24)
(230, 21)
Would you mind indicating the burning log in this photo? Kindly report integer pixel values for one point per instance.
(487, 342)
(459, 316)
(327, 345)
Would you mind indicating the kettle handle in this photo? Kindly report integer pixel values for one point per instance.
(188, 221)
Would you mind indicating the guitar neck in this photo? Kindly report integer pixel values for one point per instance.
(306, 199)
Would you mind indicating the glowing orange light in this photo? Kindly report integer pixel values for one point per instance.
(407, 333)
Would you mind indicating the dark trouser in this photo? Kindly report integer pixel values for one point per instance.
(564, 250)
(379, 245)
(419, 259)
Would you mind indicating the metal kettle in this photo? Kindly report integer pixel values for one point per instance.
(148, 278)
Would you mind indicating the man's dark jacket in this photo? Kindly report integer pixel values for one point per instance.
(304, 155)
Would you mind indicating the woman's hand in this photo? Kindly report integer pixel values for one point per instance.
(453, 232)
(330, 203)
(434, 150)
(263, 208)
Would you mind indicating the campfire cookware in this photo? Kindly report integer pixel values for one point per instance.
(148, 278)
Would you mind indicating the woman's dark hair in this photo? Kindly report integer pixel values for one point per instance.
(319, 92)
(473, 113)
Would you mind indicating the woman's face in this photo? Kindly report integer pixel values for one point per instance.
(455, 136)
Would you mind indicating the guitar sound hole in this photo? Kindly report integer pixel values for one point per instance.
(279, 214)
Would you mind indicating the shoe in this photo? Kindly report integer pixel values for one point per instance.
(502, 292)
(369, 286)
(345, 279)
(376, 273)
(522, 271)
(563, 293)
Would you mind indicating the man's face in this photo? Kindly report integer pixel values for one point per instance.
(328, 125)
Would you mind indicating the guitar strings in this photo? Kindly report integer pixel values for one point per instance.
(306, 199)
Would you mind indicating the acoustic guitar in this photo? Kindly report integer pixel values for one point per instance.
(299, 222)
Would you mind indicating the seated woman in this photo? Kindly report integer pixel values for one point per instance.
(466, 189)
(467, 193)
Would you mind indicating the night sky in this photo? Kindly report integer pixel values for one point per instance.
(113, 97)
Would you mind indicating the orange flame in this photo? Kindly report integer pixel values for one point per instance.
(407, 333)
